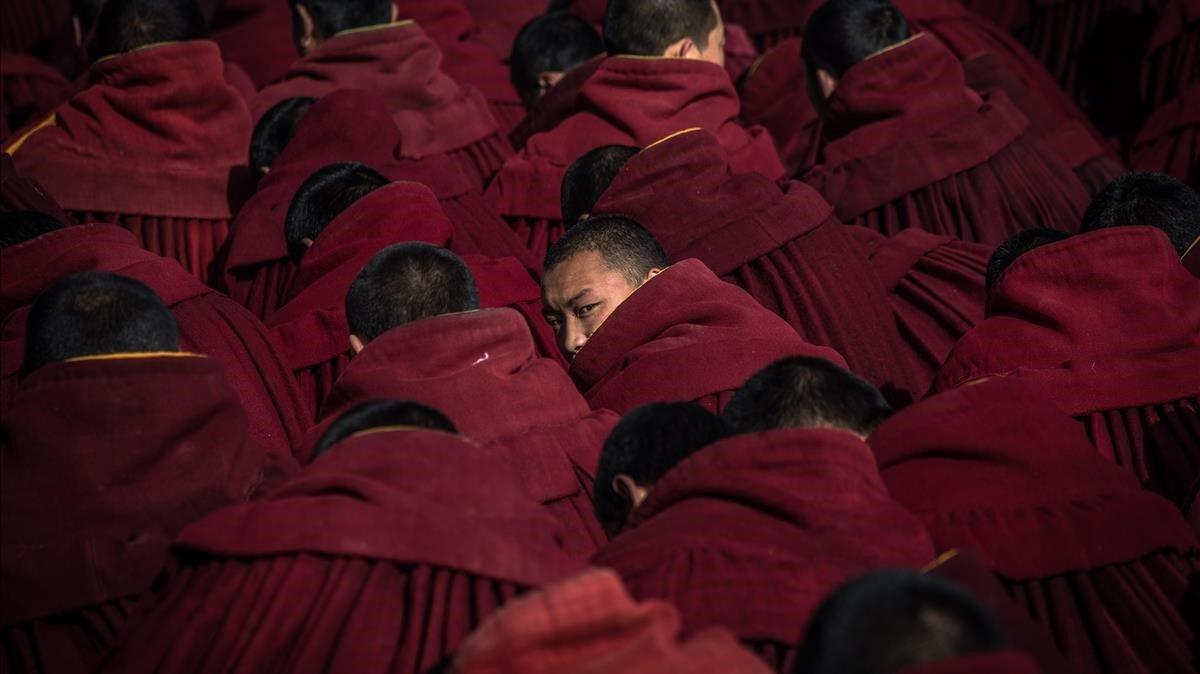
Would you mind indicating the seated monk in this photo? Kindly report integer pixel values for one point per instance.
(358, 44)
(155, 142)
(663, 74)
(546, 49)
(381, 556)
(907, 144)
(111, 443)
(662, 332)
(745, 533)
(273, 131)
(208, 323)
(1103, 565)
(1142, 198)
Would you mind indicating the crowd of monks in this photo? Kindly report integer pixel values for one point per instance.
(600, 336)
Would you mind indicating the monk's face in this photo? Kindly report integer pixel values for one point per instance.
(579, 294)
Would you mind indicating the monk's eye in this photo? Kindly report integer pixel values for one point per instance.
(554, 322)
(586, 309)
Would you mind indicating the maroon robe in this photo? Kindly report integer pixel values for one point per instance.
(208, 322)
(685, 335)
(1106, 324)
(990, 662)
(19, 193)
(749, 535)
(557, 104)
(1172, 60)
(775, 96)
(104, 460)
(1170, 140)
(155, 144)
(29, 22)
(380, 557)
(435, 115)
(29, 89)
(499, 22)
(907, 144)
(1102, 564)
(257, 35)
(626, 101)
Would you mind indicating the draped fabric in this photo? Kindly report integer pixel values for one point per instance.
(19, 193)
(998, 662)
(1172, 61)
(29, 90)
(775, 96)
(257, 35)
(557, 104)
(1170, 140)
(500, 23)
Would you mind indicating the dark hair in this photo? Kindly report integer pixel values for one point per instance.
(624, 244)
(406, 282)
(17, 227)
(1145, 198)
(381, 414)
(801, 392)
(842, 33)
(645, 444)
(125, 25)
(274, 130)
(648, 27)
(331, 17)
(1017, 245)
(96, 313)
(327, 192)
(891, 620)
(587, 178)
(550, 43)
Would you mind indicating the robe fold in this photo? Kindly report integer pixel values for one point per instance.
(104, 460)
(1107, 324)
(379, 557)
(996, 469)
(775, 96)
(30, 89)
(257, 35)
(685, 335)
(557, 104)
(156, 143)
(1172, 61)
(499, 22)
(482, 370)
(752, 533)
(1169, 142)
(19, 193)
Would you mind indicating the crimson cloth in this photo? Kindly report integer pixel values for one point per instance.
(588, 624)
(29, 89)
(379, 557)
(753, 532)
(775, 96)
(208, 323)
(257, 35)
(1107, 324)
(626, 101)
(1169, 142)
(255, 264)
(994, 662)
(399, 61)
(155, 144)
(907, 144)
(1104, 565)
(104, 460)
(685, 335)
(29, 23)
(500, 22)
(557, 104)
(18, 193)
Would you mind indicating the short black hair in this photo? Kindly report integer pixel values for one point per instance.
(17, 227)
(648, 27)
(406, 282)
(587, 178)
(96, 313)
(645, 444)
(842, 33)
(555, 42)
(331, 17)
(892, 620)
(625, 246)
(1152, 199)
(1017, 245)
(274, 130)
(327, 192)
(126, 25)
(803, 392)
(381, 414)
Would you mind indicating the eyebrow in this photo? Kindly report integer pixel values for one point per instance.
(571, 302)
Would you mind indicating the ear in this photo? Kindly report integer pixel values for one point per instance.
(548, 79)
(77, 26)
(308, 29)
(356, 344)
(264, 170)
(395, 12)
(680, 50)
(306, 242)
(629, 490)
(652, 273)
(826, 82)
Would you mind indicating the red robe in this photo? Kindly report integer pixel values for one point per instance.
(989, 662)
(1172, 61)
(482, 370)
(907, 144)
(257, 35)
(749, 535)
(380, 557)
(1169, 142)
(104, 460)
(775, 96)
(19, 193)
(1107, 324)
(500, 22)
(29, 89)
(627, 101)
(685, 335)
(1101, 563)
(557, 104)
(399, 61)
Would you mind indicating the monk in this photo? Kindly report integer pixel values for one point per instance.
(361, 45)
(745, 533)
(907, 144)
(1102, 564)
(101, 467)
(1155, 200)
(638, 329)
(588, 177)
(273, 132)
(546, 49)
(382, 556)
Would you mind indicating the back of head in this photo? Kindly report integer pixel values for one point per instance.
(274, 130)
(1014, 247)
(1151, 199)
(331, 17)
(17, 227)
(546, 48)
(842, 33)
(93, 314)
(649, 27)
(587, 178)
(327, 192)
(406, 282)
(379, 415)
(891, 620)
(800, 392)
(624, 245)
(126, 25)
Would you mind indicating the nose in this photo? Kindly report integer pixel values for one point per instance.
(573, 340)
